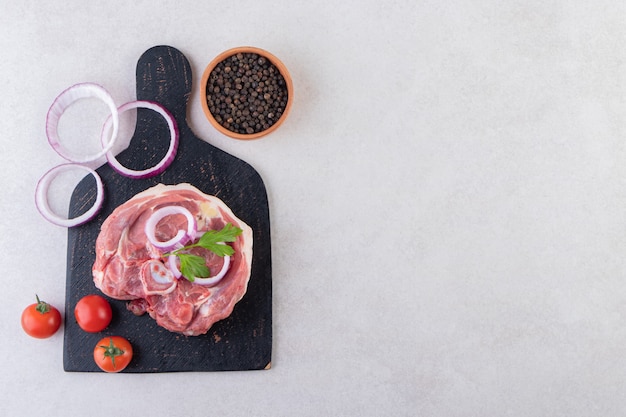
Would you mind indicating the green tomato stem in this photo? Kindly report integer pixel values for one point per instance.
(112, 351)
(42, 306)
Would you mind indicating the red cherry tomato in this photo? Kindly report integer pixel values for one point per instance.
(41, 320)
(113, 353)
(93, 313)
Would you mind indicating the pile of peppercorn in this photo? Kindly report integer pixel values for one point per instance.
(246, 93)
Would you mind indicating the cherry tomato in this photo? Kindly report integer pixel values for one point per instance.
(41, 320)
(113, 353)
(93, 313)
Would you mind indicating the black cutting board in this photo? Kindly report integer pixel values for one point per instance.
(242, 341)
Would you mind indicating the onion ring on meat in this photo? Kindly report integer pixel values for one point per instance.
(209, 281)
(181, 238)
(172, 265)
(66, 99)
(41, 196)
(171, 151)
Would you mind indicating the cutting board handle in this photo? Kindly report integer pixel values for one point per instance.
(164, 76)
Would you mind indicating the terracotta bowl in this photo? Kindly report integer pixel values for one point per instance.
(226, 54)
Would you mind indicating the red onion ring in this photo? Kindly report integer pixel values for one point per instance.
(210, 281)
(171, 263)
(66, 99)
(181, 237)
(169, 156)
(41, 196)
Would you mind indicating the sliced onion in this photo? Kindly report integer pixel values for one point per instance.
(181, 238)
(62, 102)
(170, 154)
(41, 196)
(172, 263)
(217, 278)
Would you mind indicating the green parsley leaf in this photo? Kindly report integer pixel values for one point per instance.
(228, 233)
(194, 266)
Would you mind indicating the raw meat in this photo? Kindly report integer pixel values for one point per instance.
(126, 260)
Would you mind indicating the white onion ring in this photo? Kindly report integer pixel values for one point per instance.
(66, 99)
(171, 261)
(41, 196)
(181, 238)
(170, 154)
(217, 278)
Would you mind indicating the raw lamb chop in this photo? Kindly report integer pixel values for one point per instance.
(129, 267)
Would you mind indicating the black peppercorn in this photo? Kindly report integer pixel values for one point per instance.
(246, 93)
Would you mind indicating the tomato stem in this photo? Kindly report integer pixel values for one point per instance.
(112, 351)
(42, 306)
